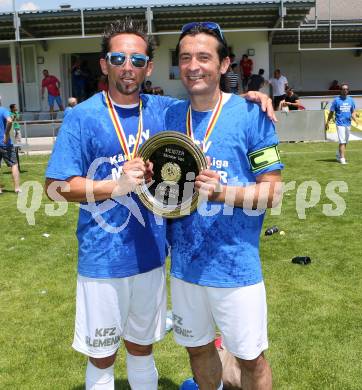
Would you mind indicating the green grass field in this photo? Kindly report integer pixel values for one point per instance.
(314, 311)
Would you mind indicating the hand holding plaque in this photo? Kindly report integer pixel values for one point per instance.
(176, 162)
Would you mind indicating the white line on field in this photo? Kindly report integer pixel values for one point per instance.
(317, 152)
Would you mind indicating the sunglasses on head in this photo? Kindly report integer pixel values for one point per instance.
(209, 25)
(119, 59)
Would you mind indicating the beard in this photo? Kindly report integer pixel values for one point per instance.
(126, 89)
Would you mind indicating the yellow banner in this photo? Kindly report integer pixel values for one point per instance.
(355, 126)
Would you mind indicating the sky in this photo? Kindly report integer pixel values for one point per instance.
(31, 5)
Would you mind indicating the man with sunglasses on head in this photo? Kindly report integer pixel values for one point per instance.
(344, 108)
(121, 290)
(216, 276)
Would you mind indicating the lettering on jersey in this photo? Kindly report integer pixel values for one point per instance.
(263, 158)
(121, 158)
(219, 164)
(116, 173)
(223, 176)
(103, 337)
(118, 158)
(202, 146)
(345, 107)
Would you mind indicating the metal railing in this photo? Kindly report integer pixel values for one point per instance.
(39, 135)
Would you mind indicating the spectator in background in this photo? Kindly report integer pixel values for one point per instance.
(78, 81)
(246, 70)
(52, 84)
(7, 150)
(72, 102)
(233, 79)
(334, 86)
(158, 91)
(88, 79)
(16, 126)
(279, 85)
(232, 58)
(147, 89)
(344, 108)
(256, 81)
(291, 101)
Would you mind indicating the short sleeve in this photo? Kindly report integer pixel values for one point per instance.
(167, 101)
(66, 159)
(263, 152)
(333, 106)
(5, 114)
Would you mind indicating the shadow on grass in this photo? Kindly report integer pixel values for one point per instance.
(8, 172)
(4, 190)
(328, 160)
(122, 384)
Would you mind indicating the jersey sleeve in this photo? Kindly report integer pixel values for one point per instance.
(263, 152)
(353, 106)
(333, 106)
(175, 117)
(166, 101)
(66, 159)
(6, 114)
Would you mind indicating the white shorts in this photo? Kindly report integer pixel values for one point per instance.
(239, 313)
(108, 310)
(343, 134)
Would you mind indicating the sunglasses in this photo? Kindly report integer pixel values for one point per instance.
(119, 59)
(209, 25)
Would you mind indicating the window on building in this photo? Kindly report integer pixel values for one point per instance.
(174, 72)
(5, 65)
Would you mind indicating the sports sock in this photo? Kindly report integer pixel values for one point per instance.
(142, 372)
(98, 378)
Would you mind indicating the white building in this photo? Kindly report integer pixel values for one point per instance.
(275, 33)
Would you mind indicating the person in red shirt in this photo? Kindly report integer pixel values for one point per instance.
(246, 70)
(51, 83)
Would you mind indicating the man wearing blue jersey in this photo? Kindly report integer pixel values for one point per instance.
(7, 150)
(343, 107)
(215, 265)
(121, 246)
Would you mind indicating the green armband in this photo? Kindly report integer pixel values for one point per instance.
(263, 158)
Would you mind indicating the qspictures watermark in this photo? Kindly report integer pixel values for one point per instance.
(308, 195)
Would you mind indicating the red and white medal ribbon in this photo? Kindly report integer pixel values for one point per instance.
(212, 122)
(119, 129)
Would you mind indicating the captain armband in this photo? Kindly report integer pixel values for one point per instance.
(264, 158)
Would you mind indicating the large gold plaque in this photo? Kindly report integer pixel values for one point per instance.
(176, 163)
